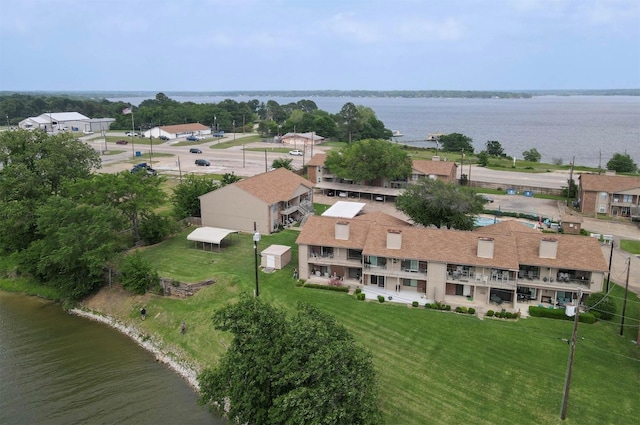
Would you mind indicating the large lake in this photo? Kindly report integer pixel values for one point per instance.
(61, 369)
(591, 128)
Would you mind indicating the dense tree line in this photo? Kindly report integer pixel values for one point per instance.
(62, 222)
(351, 123)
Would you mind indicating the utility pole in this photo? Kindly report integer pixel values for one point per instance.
(256, 239)
(626, 291)
(600, 162)
(570, 180)
(462, 164)
(567, 382)
(610, 260)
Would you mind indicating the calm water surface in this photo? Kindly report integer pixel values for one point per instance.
(591, 128)
(56, 368)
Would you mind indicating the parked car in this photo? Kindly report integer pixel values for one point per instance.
(163, 137)
(131, 134)
(296, 152)
(87, 132)
(487, 198)
(121, 142)
(192, 138)
(330, 193)
(343, 194)
(144, 166)
(195, 150)
(202, 162)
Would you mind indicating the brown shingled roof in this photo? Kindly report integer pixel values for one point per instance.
(437, 168)
(184, 128)
(609, 184)
(317, 160)
(574, 252)
(274, 186)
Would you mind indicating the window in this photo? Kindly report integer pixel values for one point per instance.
(603, 208)
(627, 198)
(410, 266)
(410, 282)
(603, 195)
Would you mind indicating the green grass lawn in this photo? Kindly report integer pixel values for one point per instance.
(433, 367)
(631, 246)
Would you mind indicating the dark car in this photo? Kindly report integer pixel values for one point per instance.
(195, 150)
(144, 166)
(121, 142)
(202, 162)
(192, 138)
(163, 138)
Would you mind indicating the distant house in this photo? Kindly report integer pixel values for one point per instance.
(616, 196)
(300, 140)
(177, 131)
(503, 264)
(440, 170)
(273, 199)
(382, 189)
(53, 122)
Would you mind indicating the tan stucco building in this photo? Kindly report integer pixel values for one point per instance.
(503, 264)
(273, 199)
(616, 196)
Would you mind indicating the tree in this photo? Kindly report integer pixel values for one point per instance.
(494, 148)
(282, 163)
(483, 158)
(155, 228)
(438, 203)
(137, 274)
(368, 160)
(602, 305)
(348, 120)
(185, 198)
(228, 178)
(622, 163)
(532, 155)
(456, 142)
(133, 194)
(35, 166)
(306, 369)
(75, 242)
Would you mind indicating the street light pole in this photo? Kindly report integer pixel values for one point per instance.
(234, 130)
(256, 239)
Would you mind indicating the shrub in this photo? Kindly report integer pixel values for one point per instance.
(490, 313)
(155, 228)
(472, 310)
(326, 287)
(380, 298)
(415, 303)
(360, 296)
(601, 304)
(559, 314)
(137, 274)
(447, 308)
(358, 290)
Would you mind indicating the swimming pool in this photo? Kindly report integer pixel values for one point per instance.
(487, 221)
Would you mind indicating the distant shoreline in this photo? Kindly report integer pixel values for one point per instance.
(480, 94)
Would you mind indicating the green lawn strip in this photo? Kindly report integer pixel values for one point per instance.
(229, 142)
(631, 246)
(433, 367)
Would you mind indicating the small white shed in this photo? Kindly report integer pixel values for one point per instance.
(276, 257)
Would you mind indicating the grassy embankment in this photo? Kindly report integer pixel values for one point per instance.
(432, 366)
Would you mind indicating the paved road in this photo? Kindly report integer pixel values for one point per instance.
(249, 163)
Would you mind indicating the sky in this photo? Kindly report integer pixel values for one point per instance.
(222, 45)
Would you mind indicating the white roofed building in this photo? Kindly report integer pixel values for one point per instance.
(53, 122)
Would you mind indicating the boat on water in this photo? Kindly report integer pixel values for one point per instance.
(397, 133)
(434, 137)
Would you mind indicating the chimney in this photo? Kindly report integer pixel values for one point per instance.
(394, 239)
(548, 248)
(342, 230)
(485, 247)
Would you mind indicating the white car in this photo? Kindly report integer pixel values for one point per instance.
(87, 132)
(296, 152)
(130, 134)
